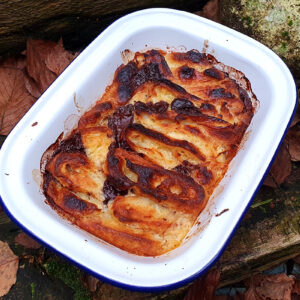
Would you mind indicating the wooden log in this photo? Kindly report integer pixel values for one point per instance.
(78, 22)
(267, 236)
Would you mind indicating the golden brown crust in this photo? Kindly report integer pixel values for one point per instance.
(143, 162)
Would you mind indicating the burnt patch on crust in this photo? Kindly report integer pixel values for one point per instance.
(154, 57)
(220, 93)
(157, 108)
(214, 73)
(200, 173)
(186, 72)
(111, 189)
(173, 86)
(74, 203)
(245, 98)
(71, 144)
(192, 55)
(124, 77)
(129, 77)
(94, 114)
(116, 178)
(186, 108)
(166, 140)
(207, 107)
(118, 123)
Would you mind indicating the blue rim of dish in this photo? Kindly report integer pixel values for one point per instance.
(171, 286)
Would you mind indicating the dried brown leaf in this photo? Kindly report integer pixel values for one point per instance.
(45, 61)
(32, 87)
(296, 287)
(37, 51)
(16, 61)
(14, 98)
(211, 11)
(293, 138)
(281, 167)
(58, 58)
(8, 268)
(296, 118)
(204, 287)
(251, 294)
(270, 287)
(26, 241)
(92, 283)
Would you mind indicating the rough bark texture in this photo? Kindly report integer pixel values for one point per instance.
(78, 22)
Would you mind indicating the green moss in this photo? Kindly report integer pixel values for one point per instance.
(32, 285)
(290, 23)
(70, 275)
(247, 20)
(285, 34)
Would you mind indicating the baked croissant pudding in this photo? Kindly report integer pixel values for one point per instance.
(142, 163)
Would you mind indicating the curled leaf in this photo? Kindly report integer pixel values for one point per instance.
(26, 241)
(14, 98)
(45, 61)
(271, 287)
(293, 138)
(280, 169)
(296, 288)
(204, 287)
(211, 11)
(17, 61)
(8, 268)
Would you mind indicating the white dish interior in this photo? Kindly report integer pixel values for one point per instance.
(84, 82)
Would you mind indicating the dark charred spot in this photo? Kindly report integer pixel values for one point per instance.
(47, 177)
(157, 108)
(207, 106)
(116, 177)
(158, 59)
(186, 72)
(94, 114)
(214, 73)
(192, 55)
(222, 212)
(245, 98)
(181, 104)
(124, 77)
(195, 56)
(103, 106)
(71, 144)
(220, 93)
(110, 191)
(203, 175)
(119, 121)
(127, 72)
(185, 107)
(74, 203)
(145, 174)
(173, 86)
(199, 172)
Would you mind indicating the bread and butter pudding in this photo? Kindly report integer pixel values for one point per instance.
(144, 160)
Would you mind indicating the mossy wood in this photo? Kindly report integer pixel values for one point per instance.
(78, 22)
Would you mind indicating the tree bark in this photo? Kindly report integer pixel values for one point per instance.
(77, 21)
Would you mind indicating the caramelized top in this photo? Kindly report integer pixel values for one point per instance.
(144, 160)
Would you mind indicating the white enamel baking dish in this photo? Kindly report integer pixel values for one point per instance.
(76, 90)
